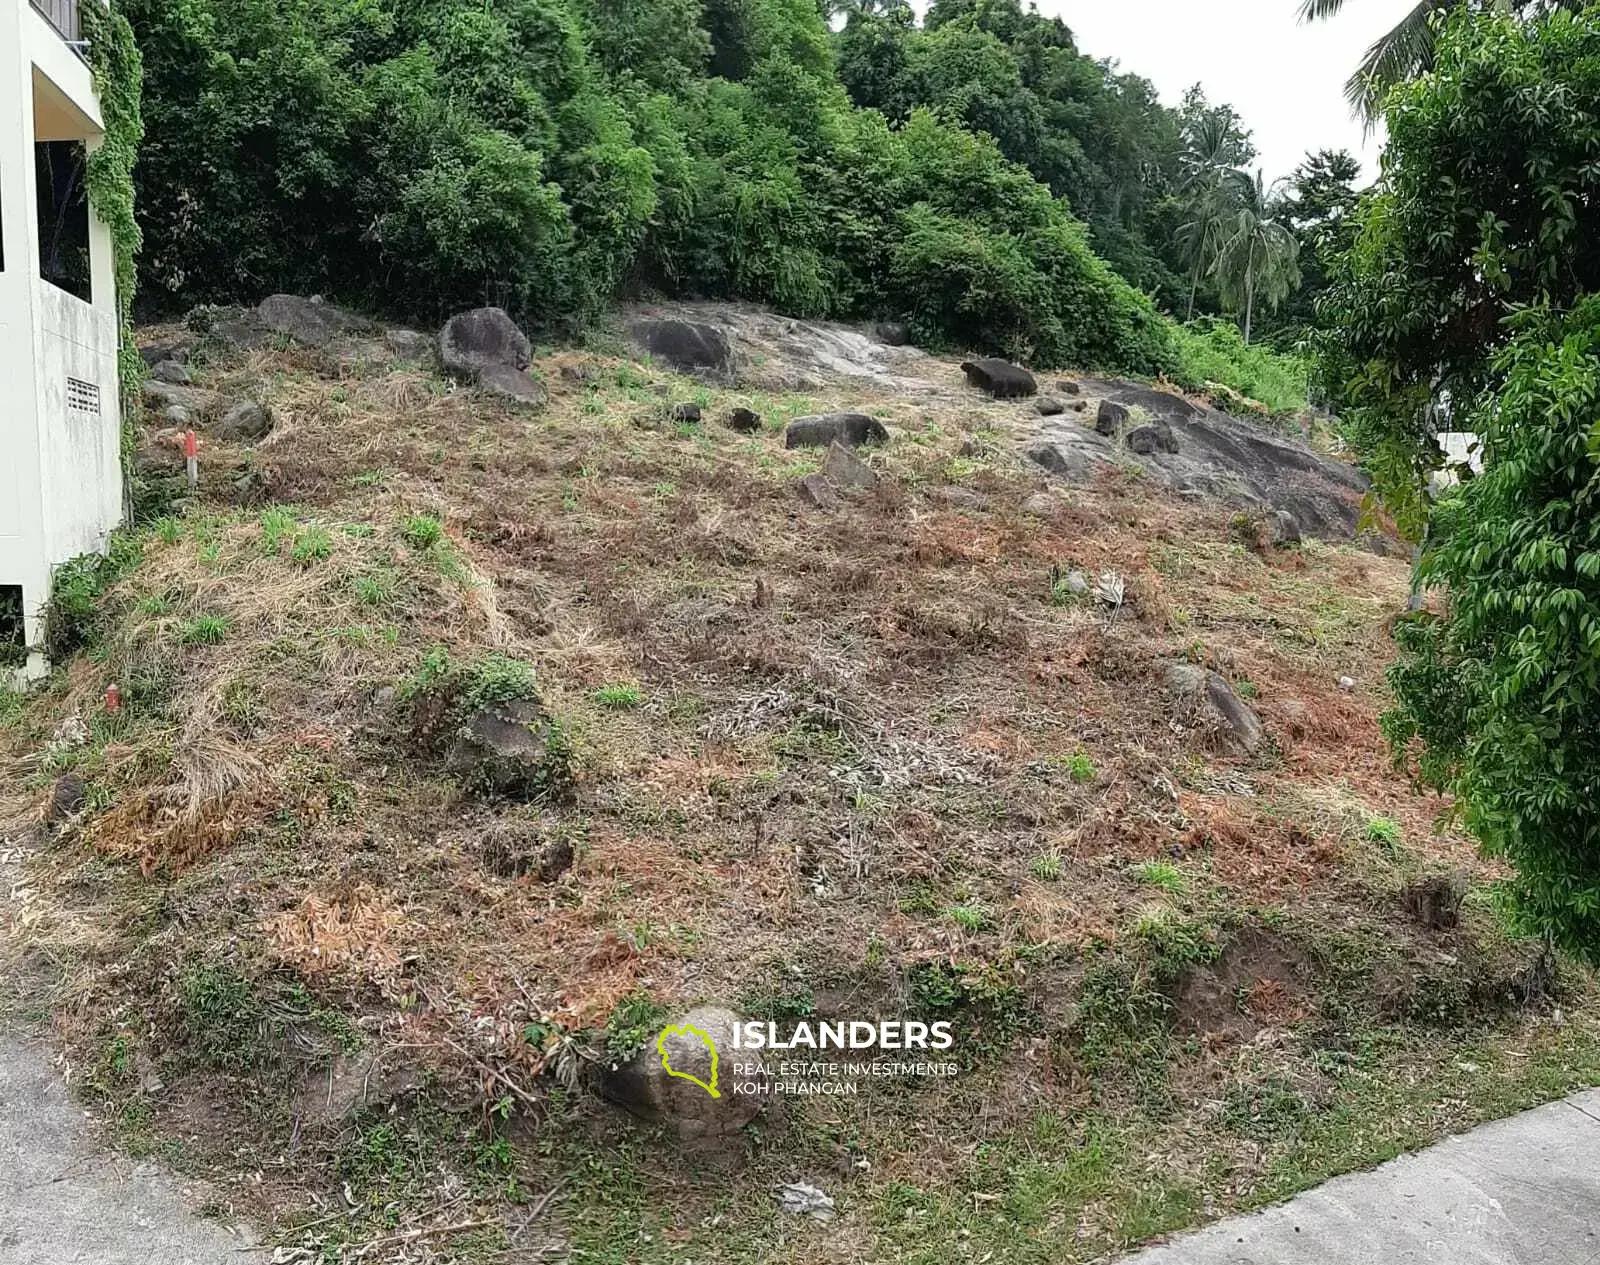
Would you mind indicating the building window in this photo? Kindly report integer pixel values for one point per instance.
(63, 216)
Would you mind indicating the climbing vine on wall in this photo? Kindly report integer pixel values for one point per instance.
(118, 79)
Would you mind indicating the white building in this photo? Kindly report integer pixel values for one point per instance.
(60, 472)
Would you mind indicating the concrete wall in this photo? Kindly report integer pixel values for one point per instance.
(60, 472)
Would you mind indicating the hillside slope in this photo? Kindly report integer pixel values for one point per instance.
(924, 749)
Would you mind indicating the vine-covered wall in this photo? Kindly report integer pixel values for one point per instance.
(119, 79)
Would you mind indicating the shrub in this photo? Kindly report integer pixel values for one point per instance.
(72, 617)
(1496, 697)
(1212, 351)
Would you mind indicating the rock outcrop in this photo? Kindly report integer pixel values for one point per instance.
(1199, 452)
(688, 346)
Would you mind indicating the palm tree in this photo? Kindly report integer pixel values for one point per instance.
(1199, 237)
(1258, 259)
(1207, 172)
(1407, 51)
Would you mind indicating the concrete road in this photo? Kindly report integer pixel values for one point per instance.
(1523, 1191)
(65, 1200)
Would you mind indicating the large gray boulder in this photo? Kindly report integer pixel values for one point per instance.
(688, 346)
(312, 322)
(483, 338)
(645, 1084)
(1205, 700)
(850, 429)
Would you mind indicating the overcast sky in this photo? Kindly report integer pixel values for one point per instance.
(1287, 80)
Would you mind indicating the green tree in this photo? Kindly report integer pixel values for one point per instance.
(1408, 49)
(1473, 288)
(1258, 257)
(1498, 699)
(1487, 205)
(1215, 148)
(1319, 207)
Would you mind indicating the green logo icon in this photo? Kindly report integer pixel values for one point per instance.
(666, 1059)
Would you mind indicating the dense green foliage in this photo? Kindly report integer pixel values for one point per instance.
(119, 82)
(1488, 204)
(1469, 300)
(1500, 698)
(1215, 351)
(544, 154)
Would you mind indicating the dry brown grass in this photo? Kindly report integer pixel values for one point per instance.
(849, 721)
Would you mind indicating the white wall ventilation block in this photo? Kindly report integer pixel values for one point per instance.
(83, 397)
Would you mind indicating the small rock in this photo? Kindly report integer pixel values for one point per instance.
(1040, 505)
(1080, 406)
(1000, 378)
(480, 339)
(844, 469)
(745, 421)
(67, 799)
(578, 373)
(177, 416)
(411, 345)
(890, 333)
(1436, 901)
(817, 492)
(1206, 697)
(169, 349)
(504, 749)
(1048, 406)
(1151, 439)
(512, 384)
(251, 488)
(172, 372)
(802, 1199)
(160, 395)
(1347, 683)
(1110, 418)
(1077, 584)
(1283, 529)
(245, 423)
(960, 498)
(1068, 460)
(688, 411)
(516, 851)
(850, 429)
(655, 1084)
(1068, 387)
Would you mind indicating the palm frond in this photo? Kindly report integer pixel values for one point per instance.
(1320, 10)
(1402, 54)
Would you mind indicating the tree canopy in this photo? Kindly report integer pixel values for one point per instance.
(1469, 300)
(975, 175)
